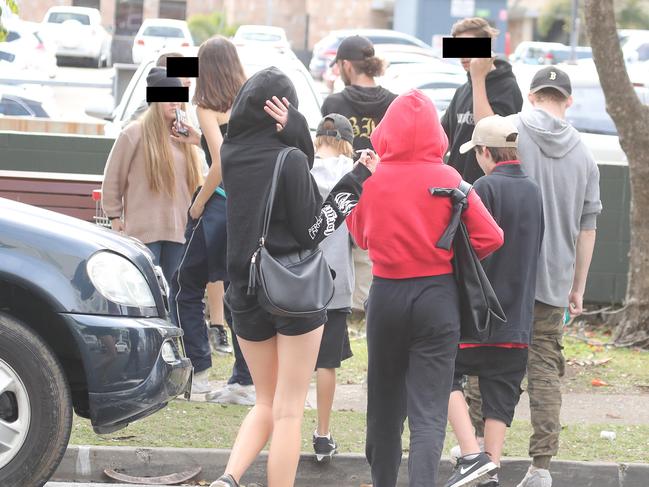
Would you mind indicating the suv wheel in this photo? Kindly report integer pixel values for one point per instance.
(35, 407)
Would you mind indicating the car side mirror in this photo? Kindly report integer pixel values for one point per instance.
(100, 110)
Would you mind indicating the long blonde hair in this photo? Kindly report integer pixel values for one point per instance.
(158, 156)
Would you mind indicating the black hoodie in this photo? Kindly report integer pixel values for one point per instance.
(300, 219)
(505, 99)
(363, 106)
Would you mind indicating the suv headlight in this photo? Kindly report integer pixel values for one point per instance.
(119, 280)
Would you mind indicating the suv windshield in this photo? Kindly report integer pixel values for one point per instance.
(588, 112)
(163, 31)
(60, 17)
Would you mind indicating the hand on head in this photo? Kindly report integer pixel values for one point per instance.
(278, 109)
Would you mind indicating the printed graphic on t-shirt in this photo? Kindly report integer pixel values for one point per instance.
(466, 117)
(363, 126)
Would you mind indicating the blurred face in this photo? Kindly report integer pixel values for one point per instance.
(466, 61)
(169, 110)
(186, 82)
(345, 68)
(484, 158)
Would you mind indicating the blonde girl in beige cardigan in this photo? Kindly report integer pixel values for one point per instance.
(149, 180)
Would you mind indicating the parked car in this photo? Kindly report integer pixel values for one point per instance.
(17, 101)
(27, 50)
(545, 53)
(70, 292)
(267, 35)
(156, 35)
(437, 78)
(78, 33)
(635, 45)
(325, 50)
(253, 59)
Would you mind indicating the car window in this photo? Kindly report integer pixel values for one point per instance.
(440, 85)
(11, 107)
(12, 35)
(391, 40)
(643, 52)
(588, 111)
(60, 17)
(163, 31)
(260, 36)
(36, 108)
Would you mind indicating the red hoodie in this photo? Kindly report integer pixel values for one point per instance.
(397, 218)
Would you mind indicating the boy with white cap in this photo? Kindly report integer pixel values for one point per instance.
(514, 201)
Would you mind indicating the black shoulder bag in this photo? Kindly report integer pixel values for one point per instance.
(480, 309)
(296, 284)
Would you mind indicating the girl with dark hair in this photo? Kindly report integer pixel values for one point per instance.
(203, 262)
(280, 351)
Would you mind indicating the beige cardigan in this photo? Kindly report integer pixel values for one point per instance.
(148, 216)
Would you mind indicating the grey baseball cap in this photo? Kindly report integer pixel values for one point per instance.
(342, 128)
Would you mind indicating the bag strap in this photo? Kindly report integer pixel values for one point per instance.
(460, 201)
(279, 163)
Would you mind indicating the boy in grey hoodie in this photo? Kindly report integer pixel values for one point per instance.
(333, 159)
(553, 155)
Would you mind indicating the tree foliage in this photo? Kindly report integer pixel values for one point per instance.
(12, 5)
(630, 14)
(204, 26)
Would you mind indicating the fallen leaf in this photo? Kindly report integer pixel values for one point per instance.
(598, 383)
(613, 416)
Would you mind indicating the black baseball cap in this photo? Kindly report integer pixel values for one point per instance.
(342, 128)
(354, 48)
(551, 77)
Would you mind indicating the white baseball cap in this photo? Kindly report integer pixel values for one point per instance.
(494, 131)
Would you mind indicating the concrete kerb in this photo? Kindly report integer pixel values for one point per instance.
(87, 463)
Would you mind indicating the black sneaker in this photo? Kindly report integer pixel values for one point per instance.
(224, 481)
(219, 339)
(470, 470)
(490, 483)
(324, 447)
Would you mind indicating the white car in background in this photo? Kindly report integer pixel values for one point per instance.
(157, 35)
(77, 33)
(253, 59)
(265, 35)
(635, 45)
(24, 50)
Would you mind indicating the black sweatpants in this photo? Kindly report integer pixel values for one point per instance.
(413, 328)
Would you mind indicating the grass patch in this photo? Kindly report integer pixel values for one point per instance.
(202, 425)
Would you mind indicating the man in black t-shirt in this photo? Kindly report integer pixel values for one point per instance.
(491, 89)
(362, 101)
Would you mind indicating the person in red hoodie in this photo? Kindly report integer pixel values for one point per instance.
(413, 311)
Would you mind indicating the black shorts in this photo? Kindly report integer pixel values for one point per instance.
(334, 347)
(252, 322)
(500, 372)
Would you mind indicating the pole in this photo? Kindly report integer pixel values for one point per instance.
(573, 31)
(269, 12)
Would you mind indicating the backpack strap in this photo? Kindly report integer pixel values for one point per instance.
(460, 200)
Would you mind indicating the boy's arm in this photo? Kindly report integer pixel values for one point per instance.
(585, 247)
(480, 68)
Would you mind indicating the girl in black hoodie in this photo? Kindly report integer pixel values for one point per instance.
(281, 352)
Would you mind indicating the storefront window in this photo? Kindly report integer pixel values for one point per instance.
(173, 9)
(128, 16)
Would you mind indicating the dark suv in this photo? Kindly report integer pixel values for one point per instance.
(84, 326)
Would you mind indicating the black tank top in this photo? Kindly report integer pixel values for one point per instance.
(208, 157)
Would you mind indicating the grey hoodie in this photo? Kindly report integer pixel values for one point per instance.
(553, 155)
(337, 247)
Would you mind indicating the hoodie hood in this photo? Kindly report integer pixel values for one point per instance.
(249, 122)
(410, 131)
(555, 137)
(370, 101)
(248, 115)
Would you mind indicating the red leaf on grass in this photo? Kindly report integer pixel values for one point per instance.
(598, 383)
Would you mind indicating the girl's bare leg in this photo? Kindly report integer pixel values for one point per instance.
(215, 302)
(458, 416)
(256, 429)
(296, 357)
(326, 390)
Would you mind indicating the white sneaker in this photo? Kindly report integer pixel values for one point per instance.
(536, 477)
(456, 452)
(201, 383)
(233, 394)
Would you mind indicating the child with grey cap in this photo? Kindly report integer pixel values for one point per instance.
(333, 159)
